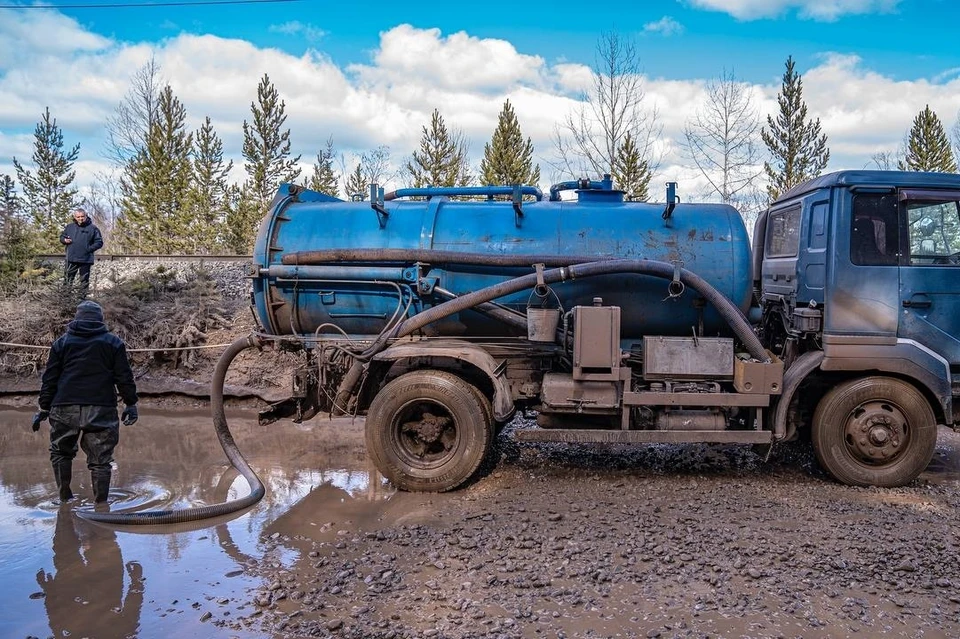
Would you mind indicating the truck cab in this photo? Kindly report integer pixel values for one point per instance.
(864, 267)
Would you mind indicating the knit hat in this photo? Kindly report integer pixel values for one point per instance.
(89, 311)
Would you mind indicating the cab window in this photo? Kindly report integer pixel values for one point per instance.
(783, 233)
(874, 230)
(933, 231)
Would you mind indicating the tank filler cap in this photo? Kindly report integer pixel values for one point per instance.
(598, 301)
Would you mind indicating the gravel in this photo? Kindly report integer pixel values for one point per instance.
(661, 541)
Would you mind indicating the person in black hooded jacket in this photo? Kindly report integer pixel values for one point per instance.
(82, 238)
(86, 369)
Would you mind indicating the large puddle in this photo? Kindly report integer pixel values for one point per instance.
(68, 577)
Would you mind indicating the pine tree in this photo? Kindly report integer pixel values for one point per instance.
(49, 195)
(266, 149)
(9, 202)
(17, 245)
(242, 218)
(9, 208)
(631, 173)
(928, 148)
(507, 159)
(209, 195)
(442, 159)
(357, 184)
(798, 148)
(156, 214)
(324, 178)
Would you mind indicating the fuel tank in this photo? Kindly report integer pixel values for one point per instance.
(324, 265)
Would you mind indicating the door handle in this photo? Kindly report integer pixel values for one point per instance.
(917, 303)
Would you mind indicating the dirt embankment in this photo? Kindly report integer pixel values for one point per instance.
(175, 324)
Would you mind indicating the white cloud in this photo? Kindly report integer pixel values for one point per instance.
(388, 100)
(458, 61)
(295, 27)
(864, 112)
(665, 26)
(572, 79)
(25, 34)
(824, 10)
(947, 74)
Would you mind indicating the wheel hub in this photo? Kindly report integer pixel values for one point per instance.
(876, 432)
(428, 428)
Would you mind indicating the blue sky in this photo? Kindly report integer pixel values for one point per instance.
(906, 39)
(370, 73)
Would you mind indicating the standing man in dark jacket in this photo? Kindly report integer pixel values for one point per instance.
(82, 238)
(88, 365)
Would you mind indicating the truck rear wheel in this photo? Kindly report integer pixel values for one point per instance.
(874, 431)
(428, 431)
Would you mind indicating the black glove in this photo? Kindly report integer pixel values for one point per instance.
(39, 417)
(130, 415)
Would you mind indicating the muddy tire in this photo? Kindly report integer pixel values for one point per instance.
(874, 431)
(428, 431)
(487, 410)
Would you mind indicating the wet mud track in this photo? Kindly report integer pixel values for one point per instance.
(550, 540)
(659, 541)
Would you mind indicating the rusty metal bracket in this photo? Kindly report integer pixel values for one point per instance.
(517, 204)
(376, 203)
(675, 288)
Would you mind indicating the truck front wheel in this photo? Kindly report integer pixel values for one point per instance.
(428, 430)
(874, 431)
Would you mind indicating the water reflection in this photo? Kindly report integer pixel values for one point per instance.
(64, 575)
(86, 588)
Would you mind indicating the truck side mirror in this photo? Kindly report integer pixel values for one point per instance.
(927, 227)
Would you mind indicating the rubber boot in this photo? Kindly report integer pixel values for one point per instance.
(101, 486)
(63, 474)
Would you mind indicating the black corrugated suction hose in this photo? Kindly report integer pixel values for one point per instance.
(257, 490)
(728, 310)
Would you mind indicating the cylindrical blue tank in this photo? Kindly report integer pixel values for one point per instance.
(359, 298)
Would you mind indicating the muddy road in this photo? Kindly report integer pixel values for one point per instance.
(550, 541)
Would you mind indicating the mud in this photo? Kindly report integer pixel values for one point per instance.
(550, 541)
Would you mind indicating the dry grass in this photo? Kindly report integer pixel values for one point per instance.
(152, 311)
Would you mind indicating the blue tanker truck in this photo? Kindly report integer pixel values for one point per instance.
(440, 312)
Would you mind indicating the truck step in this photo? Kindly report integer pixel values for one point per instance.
(582, 435)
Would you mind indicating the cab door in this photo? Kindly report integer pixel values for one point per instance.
(930, 271)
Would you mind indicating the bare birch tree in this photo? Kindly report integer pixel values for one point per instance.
(372, 167)
(886, 160)
(722, 139)
(376, 165)
(129, 127)
(588, 140)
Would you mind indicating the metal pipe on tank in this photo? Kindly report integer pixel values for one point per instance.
(582, 184)
(472, 191)
(502, 313)
(433, 257)
(360, 273)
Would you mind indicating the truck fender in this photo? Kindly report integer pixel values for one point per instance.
(503, 406)
(798, 371)
(907, 358)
